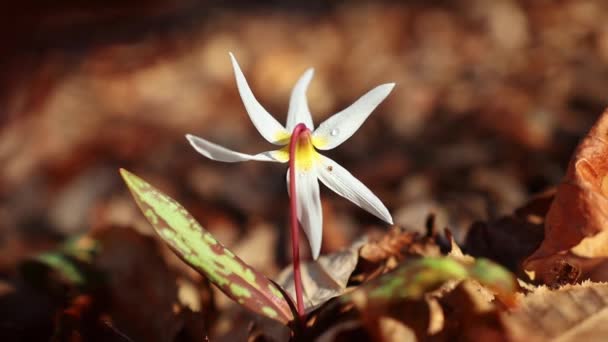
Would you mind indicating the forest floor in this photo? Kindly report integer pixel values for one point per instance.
(474, 153)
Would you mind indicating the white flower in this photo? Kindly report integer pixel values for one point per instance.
(309, 164)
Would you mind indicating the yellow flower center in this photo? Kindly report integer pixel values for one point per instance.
(306, 155)
(282, 137)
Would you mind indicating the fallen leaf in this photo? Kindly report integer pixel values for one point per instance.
(575, 225)
(410, 293)
(199, 249)
(570, 313)
(81, 321)
(393, 330)
(390, 244)
(324, 278)
(384, 253)
(141, 295)
(351, 330)
(471, 314)
(436, 316)
(455, 251)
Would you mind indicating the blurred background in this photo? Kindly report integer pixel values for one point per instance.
(491, 99)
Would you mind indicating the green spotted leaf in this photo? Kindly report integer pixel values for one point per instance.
(415, 278)
(199, 249)
(72, 262)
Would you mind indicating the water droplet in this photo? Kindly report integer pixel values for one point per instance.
(334, 132)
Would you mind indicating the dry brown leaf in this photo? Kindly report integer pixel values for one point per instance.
(390, 244)
(470, 314)
(391, 330)
(384, 253)
(436, 316)
(571, 313)
(345, 331)
(446, 307)
(575, 225)
(455, 251)
(138, 280)
(324, 278)
(414, 315)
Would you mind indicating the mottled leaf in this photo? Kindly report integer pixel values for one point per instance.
(71, 261)
(415, 278)
(199, 249)
(64, 265)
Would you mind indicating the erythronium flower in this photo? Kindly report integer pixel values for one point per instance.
(300, 144)
(310, 165)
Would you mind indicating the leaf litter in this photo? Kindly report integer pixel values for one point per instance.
(477, 157)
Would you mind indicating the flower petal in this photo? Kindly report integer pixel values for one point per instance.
(267, 125)
(341, 126)
(310, 213)
(219, 153)
(298, 104)
(346, 185)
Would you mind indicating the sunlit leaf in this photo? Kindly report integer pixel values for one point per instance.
(571, 313)
(415, 278)
(575, 225)
(199, 249)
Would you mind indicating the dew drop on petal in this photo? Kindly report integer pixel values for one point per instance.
(334, 132)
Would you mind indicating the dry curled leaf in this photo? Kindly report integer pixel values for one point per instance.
(383, 253)
(415, 295)
(390, 244)
(575, 226)
(323, 278)
(391, 329)
(571, 313)
(455, 251)
(470, 313)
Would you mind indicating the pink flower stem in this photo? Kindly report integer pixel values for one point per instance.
(295, 231)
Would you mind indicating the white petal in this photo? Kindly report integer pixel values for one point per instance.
(298, 104)
(267, 125)
(310, 214)
(346, 185)
(219, 153)
(341, 126)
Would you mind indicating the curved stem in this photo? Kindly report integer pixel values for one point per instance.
(295, 231)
